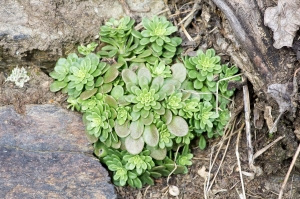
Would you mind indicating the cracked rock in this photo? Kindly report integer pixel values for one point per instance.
(45, 154)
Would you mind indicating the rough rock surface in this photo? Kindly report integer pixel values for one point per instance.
(44, 154)
(40, 31)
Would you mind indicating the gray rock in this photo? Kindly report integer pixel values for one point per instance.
(40, 31)
(45, 154)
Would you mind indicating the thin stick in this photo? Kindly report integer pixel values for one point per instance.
(212, 182)
(190, 17)
(146, 191)
(289, 172)
(227, 136)
(239, 163)
(183, 28)
(174, 165)
(248, 127)
(206, 189)
(210, 168)
(217, 89)
(275, 123)
(261, 151)
(186, 17)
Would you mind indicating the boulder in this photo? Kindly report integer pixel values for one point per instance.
(45, 154)
(41, 31)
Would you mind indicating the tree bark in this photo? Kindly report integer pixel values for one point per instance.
(246, 20)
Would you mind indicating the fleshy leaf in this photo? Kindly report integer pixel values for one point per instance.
(136, 129)
(111, 74)
(88, 93)
(144, 41)
(151, 136)
(157, 83)
(129, 76)
(202, 142)
(146, 53)
(166, 90)
(122, 130)
(145, 72)
(56, 86)
(100, 150)
(178, 126)
(157, 153)
(117, 92)
(111, 101)
(179, 71)
(105, 88)
(148, 120)
(134, 146)
(168, 116)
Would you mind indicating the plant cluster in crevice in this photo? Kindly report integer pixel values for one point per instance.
(141, 101)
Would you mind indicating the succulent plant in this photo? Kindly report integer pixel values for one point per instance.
(82, 74)
(207, 64)
(137, 106)
(92, 102)
(221, 121)
(117, 29)
(203, 119)
(190, 106)
(185, 139)
(114, 163)
(174, 103)
(61, 73)
(119, 41)
(146, 95)
(139, 163)
(184, 159)
(74, 103)
(226, 73)
(100, 121)
(159, 69)
(145, 92)
(157, 30)
(85, 50)
(75, 74)
(123, 114)
(165, 167)
(165, 136)
(134, 170)
(157, 35)
(204, 66)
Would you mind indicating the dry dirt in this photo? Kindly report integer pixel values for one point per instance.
(274, 162)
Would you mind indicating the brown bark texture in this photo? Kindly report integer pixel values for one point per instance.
(262, 64)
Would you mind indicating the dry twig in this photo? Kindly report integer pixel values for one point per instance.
(247, 122)
(239, 163)
(182, 27)
(261, 151)
(289, 172)
(225, 137)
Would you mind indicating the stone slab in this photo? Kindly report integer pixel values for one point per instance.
(45, 154)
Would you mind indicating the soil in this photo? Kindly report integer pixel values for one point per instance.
(274, 163)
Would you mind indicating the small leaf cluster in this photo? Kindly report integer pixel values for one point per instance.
(209, 78)
(129, 169)
(80, 75)
(139, 104)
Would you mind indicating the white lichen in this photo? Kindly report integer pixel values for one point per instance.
(18, 76)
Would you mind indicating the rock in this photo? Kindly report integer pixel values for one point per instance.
(45, 154)
(40, 31)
